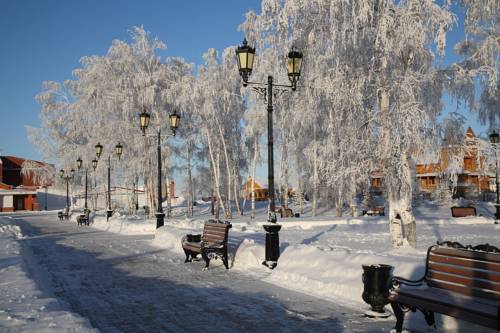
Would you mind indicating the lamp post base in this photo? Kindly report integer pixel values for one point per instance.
(109, 213)
(160, 220)
(272, 245)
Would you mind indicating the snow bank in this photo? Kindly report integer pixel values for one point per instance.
(127, 225)
(324, 258)
(23, 307)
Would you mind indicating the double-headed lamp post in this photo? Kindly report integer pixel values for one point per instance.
(98, 151)
(94, 166)
(174, 120)
(245, 55)
(67, 178)
(495, 139)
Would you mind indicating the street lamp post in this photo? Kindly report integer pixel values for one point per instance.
(174, 119)
(495, 139)
(67, 178)
(245, 55)
(79, 163)
(94, 166)
(118, 151)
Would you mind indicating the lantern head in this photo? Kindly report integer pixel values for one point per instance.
(294, 66)
(119, 149)
(94, 163)
(79, 163)
(144, 117)
(61, 173)
(98, 150)
(494, 137)
(245, 55)
(174, 119)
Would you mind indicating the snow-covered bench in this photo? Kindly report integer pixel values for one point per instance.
(377, 210)
(459, 281)
(83, 219)
(213, 243)
(63, 214)
(463, 211)
(284, 212)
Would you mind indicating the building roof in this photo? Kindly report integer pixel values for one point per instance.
(17, 191)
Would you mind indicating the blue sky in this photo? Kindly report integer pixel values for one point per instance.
(44, 40)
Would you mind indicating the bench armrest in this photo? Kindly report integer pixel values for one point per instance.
(396, 281)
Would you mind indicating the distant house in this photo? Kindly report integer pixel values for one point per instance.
(17, 191)
(472, 176)
(261, 191)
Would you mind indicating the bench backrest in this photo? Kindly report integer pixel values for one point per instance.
(463, 211)
(463, 270)
(214, 232)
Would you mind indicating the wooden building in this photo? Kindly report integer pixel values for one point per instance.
(17, 191)
(261, 191)
(473, 175)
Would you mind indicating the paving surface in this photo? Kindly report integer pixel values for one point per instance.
(122, 284)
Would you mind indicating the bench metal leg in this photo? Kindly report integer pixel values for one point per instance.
(188, 253)
(429, 318)
(205, 257)
(400, 316)
(224, 260)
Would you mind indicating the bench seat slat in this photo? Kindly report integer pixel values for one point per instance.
(468, 291)
(465, 271)
(434, 300)
(482, 306)
(212, 238)
(464, 262)
(214, 233)
(467, 254)
(464, 281)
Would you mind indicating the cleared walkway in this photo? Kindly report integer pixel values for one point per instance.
(122, 284)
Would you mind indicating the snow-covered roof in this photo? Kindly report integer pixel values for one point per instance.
(428, 174)
(16, 191)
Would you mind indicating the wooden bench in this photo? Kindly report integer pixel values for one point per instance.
(213, 243)
(63, 215)
(459, 281)
(285, 212)
(463, 211)
(83, 219)
(377, 210)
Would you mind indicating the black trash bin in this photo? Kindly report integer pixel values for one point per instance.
(376, 282)
(272, 244)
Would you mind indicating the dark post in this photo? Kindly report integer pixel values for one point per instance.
(86, 189)
(270, 157)
(67, 194)
(272, 230)
(497, 205)
(45, 197)
(159, 213)
(109, 212)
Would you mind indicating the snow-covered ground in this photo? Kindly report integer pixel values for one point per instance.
(320, 257)
(123, 284)
(23, 306)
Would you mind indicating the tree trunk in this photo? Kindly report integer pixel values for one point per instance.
(216, 171)
(315, 173)
(229, 210)
(169, 198)
(284, 167)
(254, 168)
(236, 186)
(190, 182)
